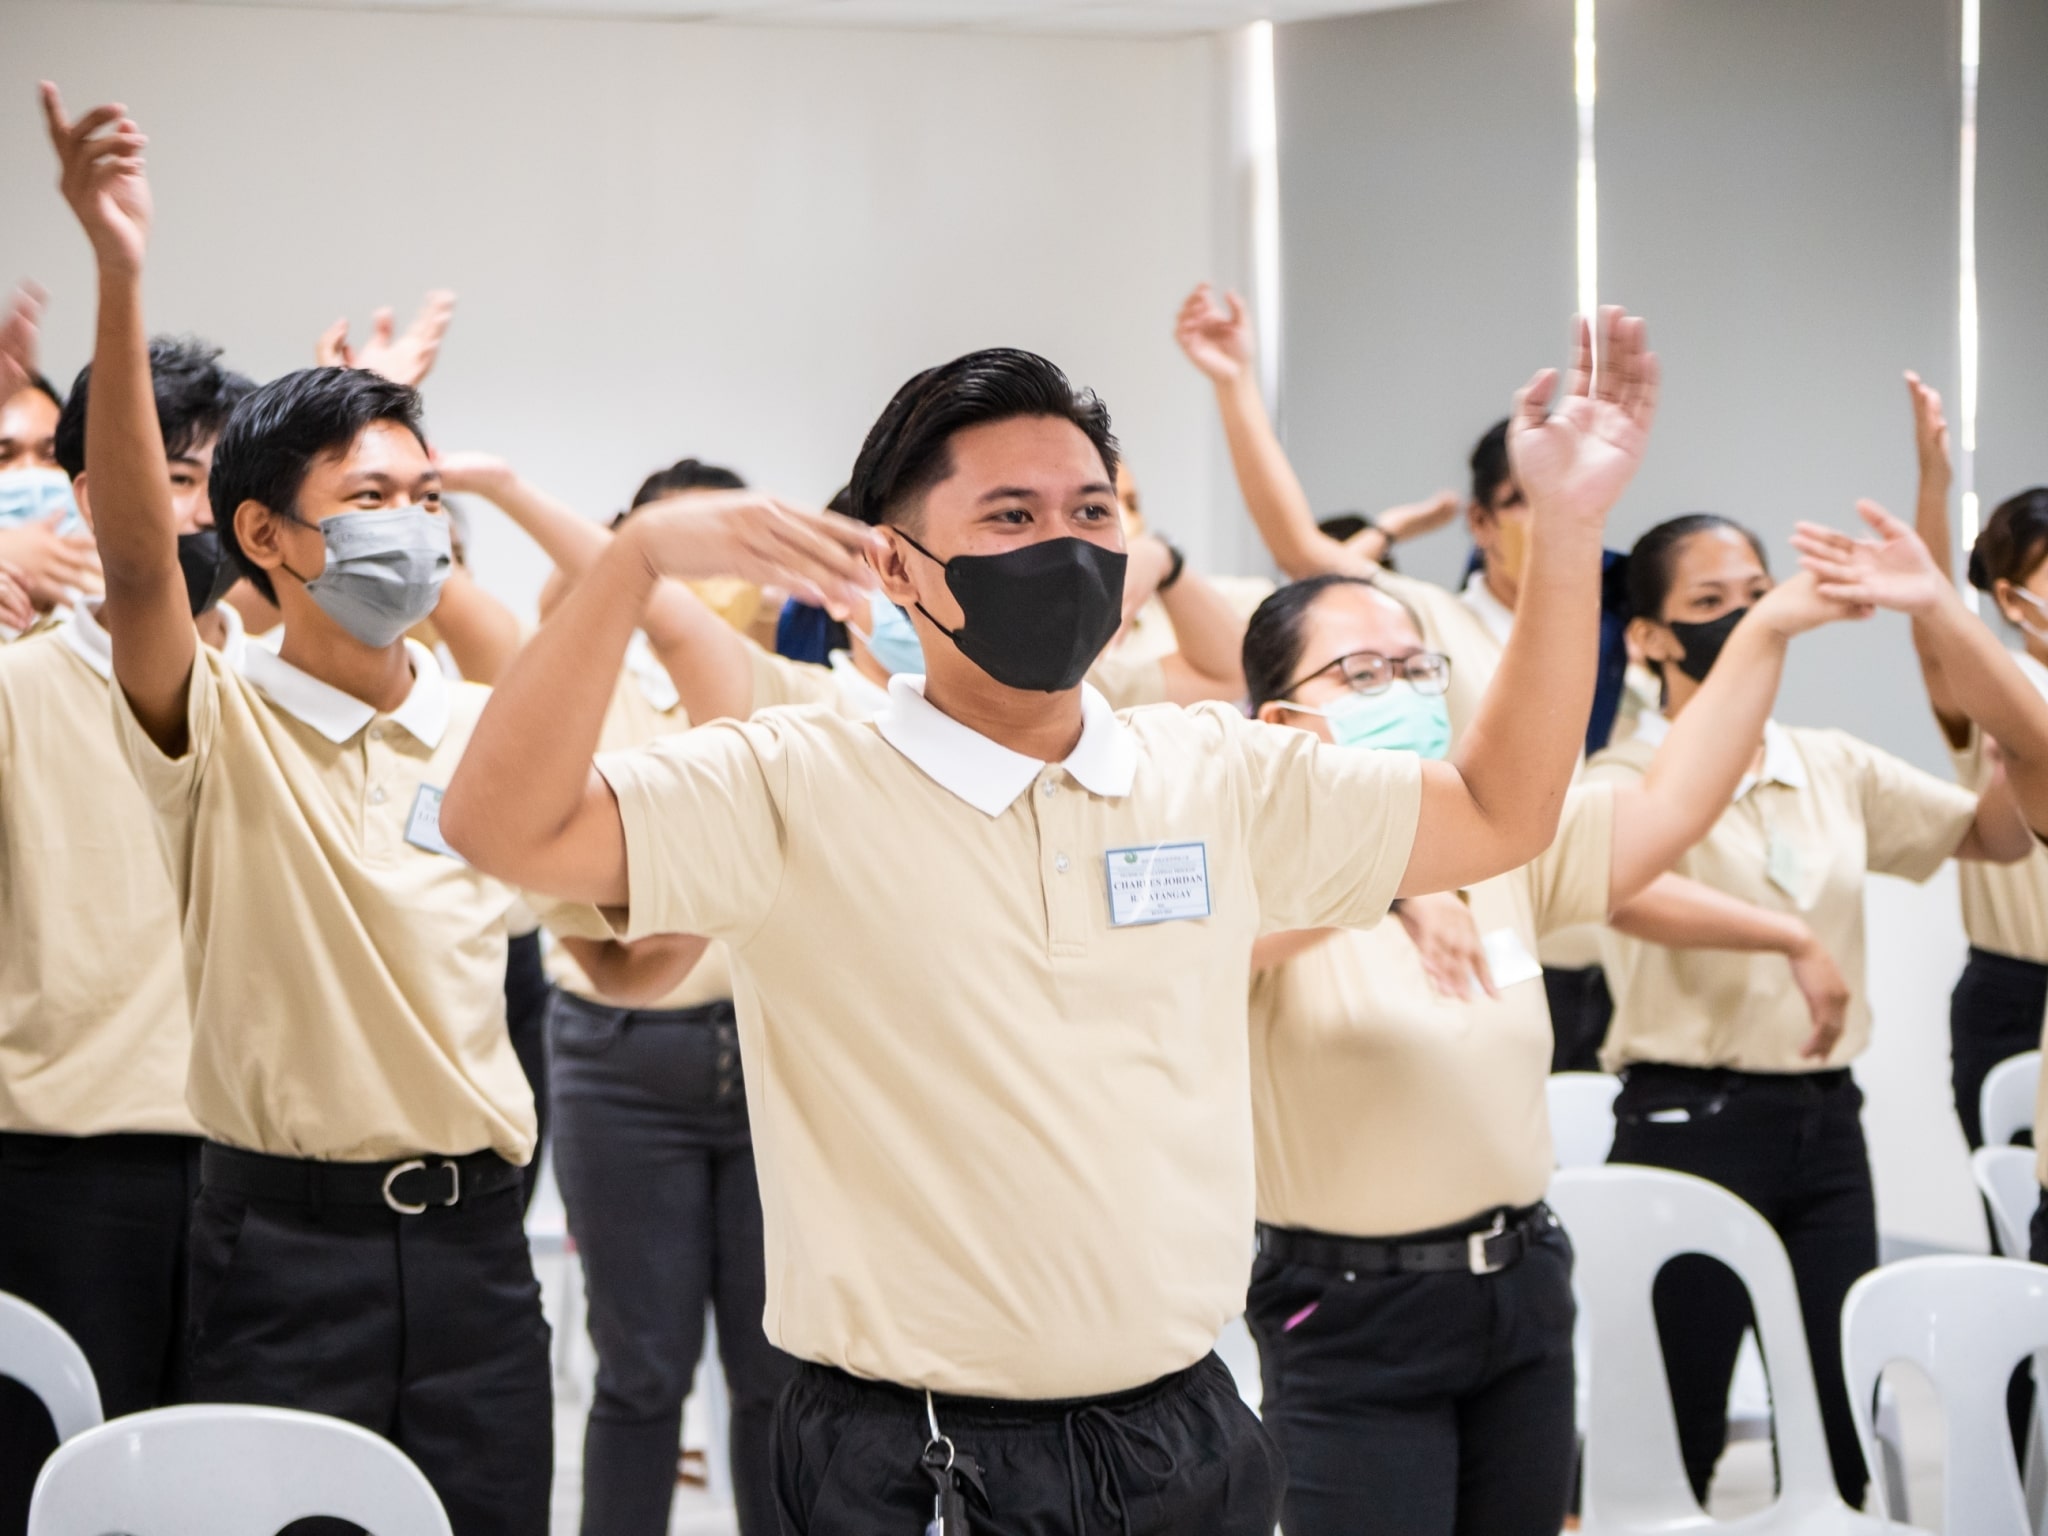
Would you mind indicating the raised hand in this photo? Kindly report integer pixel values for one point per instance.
(101, 177)
(405, 359)
(1217, 337)
(20, 335)
(1578, 455)
(1401, 524)
(1930, 431)
(1893, 570)
(817, 557)
(52, 565)
(481, 474)
(1797, 605)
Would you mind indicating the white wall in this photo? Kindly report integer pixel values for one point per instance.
(667, 238)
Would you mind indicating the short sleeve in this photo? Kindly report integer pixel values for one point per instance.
(780, 682)
(703, 827)
(1571, 881)
(171, 784)
(1972, 762)
(1330, 828)
(1128, 681)
(1912, 820)
(563, 919)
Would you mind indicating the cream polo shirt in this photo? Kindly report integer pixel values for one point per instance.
(94, 1033)
(641, 710)
(1801, 837)
(347, 980)
(1384, 1108)
(2005, 906)
(1004, 1142)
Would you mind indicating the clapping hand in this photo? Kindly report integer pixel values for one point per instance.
(1579, 454)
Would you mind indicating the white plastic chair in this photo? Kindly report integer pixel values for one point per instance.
(40, 1355)
(1967, 1323)
(217, 1469)
(2005, 1105)
(1582, 1117)
(1626, 1223)
(2006, 1178)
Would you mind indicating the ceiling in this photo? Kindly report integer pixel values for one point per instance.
(1127, 18)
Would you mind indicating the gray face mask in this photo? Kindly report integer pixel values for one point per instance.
(384, 570)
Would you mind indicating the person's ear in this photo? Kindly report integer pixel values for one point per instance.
(83, 500)
(261, 534)
(1653, 642)
(892, 570)
(1271, 711)
(2010, 608)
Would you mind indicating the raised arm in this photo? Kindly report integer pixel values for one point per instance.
(1209, 633)
(1692, 779)
(1895, 570)
(526, 804)
(146, 613)
(1930, 520)
(1494, 805)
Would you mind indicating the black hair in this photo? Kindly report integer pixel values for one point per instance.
(194, 398)
(908, 450)
(1654, 559)
(1343, 526)
(277, 432)
(1489, 461)
(2014, 541)
(41, 385)
(1273, 635)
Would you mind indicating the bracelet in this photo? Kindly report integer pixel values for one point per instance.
(1173, 571)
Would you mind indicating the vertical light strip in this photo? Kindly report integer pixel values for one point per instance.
(1262, 102)
(1966, 302)
(1585, 89)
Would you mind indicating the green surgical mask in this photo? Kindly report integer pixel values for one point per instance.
(1396, 719)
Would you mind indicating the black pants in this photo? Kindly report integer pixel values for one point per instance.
(1993, 1015)
(1182, 1456)
(1420, 1405)
(425, 1329)
(1791, 1145)
(93, 1231)
(1580, 1010)
(657, 1171)
(527, 990)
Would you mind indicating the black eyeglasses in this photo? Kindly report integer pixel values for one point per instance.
(1370, 672)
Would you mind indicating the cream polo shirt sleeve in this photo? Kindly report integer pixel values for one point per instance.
(2005, 906)
(1128, 679)
(702, 815)
(780, 682)
(1913, 820)
(1329, 829)
(1571, 881)
(171, 784)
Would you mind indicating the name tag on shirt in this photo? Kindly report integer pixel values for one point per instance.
(1783, 867)
(1508, 959)
(423, 826)
(1163, 883)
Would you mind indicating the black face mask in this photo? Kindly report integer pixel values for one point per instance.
(1703, 642)
(208, 571)
(1035, 618)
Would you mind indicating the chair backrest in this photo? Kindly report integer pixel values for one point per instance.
(1966, 1322)
(218, 1469)
(2006, 1178)
(1582, 1117)
(2005, 1105)
(1626, 1223)
(47, 1360)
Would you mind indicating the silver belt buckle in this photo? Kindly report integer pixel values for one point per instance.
(1475, 1246)
(418, 1165)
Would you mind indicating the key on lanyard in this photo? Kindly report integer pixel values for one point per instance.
(946, 1468)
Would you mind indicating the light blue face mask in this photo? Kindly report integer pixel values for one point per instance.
(892, 639)
(27, 495)
(384, 570)
(1396, 719)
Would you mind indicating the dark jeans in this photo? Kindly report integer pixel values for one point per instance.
(657, 1171)
(1182, 1456)
(527, 990)
(1580, 1010)
(93, 1230)
(1993, 1014)
(425, 1329)
(1791, 1145)
(1420, 1405)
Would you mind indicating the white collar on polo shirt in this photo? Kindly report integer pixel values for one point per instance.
(1498, 618)
(1782, 762)
(989, 776)
(80, 629)
(337, 715)
(656, 686)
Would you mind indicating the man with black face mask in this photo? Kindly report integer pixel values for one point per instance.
(991, 950)
(98, 1154)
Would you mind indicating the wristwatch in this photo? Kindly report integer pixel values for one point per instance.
(1180, 563)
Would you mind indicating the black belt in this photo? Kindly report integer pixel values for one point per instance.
(408, 1186)
(1497, 1243)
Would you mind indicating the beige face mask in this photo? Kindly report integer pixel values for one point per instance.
(1512, 544)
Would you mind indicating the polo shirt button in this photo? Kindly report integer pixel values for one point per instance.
(376, 733)
(377, 796)
(1060, 863)
(1050, 787)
